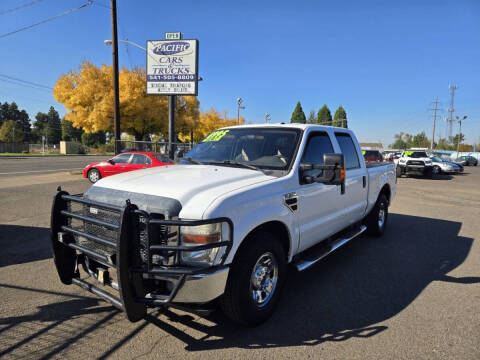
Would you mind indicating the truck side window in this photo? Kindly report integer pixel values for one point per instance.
(348, 149)
(318, 144)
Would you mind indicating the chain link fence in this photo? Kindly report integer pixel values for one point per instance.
(150, 146)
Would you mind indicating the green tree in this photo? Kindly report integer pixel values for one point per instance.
(312, 118)
(94, 139)
(69, 132)
(324, 116)
(454, 140)
(420, 140)
(340, 117)
(298, 116)
(48, 125)
(443, 145)
(10, 132)
(20, 117)
(399, 141)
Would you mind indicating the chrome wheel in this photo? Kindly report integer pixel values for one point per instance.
(381, 216)
(263, 280)
(93, 176)
(436, 170)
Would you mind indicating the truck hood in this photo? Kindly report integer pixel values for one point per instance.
(192, 187)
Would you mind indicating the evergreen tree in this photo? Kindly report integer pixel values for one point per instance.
(48, 125)
(340, 117)
(20, 117)
(324, 116)
(94, 139)
(311, 119)
(69, 132)
(298, 116)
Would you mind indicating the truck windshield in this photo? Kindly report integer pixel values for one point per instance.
(417, 154)
(263, 148)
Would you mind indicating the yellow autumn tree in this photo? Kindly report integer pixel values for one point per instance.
(208, 121)
(88, 95)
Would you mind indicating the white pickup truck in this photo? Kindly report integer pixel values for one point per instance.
(223, 223)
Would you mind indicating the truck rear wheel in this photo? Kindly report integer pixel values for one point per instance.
(376, 221)
(255, 280)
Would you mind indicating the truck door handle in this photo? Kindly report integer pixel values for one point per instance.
(364, 181)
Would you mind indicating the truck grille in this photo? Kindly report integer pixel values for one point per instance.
(415, 162)
(159, 234)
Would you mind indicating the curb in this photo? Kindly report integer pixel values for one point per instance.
(76, 172)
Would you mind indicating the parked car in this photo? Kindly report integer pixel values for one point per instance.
(225, 222)
(414, 162)
(127, 161)
(372, 155)
(443, 166)
(467, 160)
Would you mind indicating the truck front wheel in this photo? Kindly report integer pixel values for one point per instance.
(376, 221)
(255, 280)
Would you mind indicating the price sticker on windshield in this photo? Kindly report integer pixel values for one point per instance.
(216, 135)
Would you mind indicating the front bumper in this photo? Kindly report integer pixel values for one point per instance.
(202, 288)
(123, 251)
(408, 168)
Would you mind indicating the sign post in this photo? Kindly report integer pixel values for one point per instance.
(172, 69)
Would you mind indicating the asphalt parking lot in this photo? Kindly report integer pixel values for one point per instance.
(412, 294)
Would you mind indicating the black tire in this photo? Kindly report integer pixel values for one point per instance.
(94, 175)
(436, 170)
(374, 226)
(237, 302)
(428, 173)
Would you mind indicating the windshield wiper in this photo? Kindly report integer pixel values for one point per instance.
(193, 161)
(236, 163)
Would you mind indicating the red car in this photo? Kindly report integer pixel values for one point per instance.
(372, 156)
(127, 161)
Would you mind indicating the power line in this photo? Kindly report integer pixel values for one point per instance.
(26, 82)
(19, 7)
(90, 2)
(29, 86)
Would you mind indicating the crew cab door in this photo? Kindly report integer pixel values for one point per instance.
(319, 207)
(354, 203)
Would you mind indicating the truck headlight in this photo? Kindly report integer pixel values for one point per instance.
(428, 162)
(202, 235)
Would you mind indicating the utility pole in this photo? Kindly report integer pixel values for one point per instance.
(435, 108)
(172, 99)
(451, 110)
(116, 100)
(267, 117)
(460, 131)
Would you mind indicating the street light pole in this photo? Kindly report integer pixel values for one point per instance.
(116, 97)
(239, 103)
(267, 117)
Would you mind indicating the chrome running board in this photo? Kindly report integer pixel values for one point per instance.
(320, 251)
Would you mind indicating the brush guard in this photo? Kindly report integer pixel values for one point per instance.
(127, 245)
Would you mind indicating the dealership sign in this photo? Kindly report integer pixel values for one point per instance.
(172, 67)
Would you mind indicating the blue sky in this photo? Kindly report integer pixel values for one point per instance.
(384, 61)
